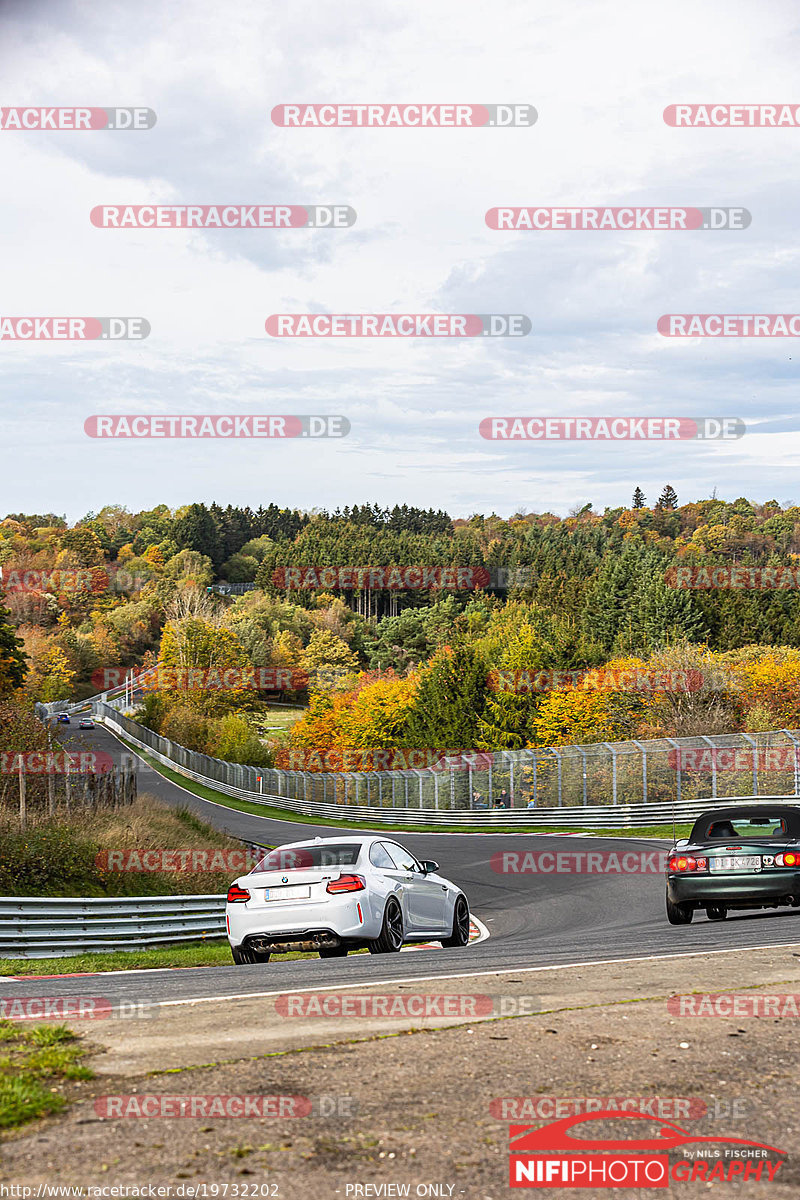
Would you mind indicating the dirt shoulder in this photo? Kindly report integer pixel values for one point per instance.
(409, 1102)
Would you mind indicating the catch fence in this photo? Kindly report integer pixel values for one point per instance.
(654, 773)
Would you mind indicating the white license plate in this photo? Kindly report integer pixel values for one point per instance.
(736, 862)
(298, 892)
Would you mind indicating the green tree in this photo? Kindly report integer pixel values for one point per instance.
(196, 529)
(449, 702)
(328, 659)
(669, 498)
(12, 656)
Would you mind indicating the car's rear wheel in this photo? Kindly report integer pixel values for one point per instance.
(460, 933)
(244, 956)
(679, 914)
(716, 912)
(391, 935)
(339, 951)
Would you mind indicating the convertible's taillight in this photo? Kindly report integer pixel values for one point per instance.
(687, 862)
(237, 895)
(789, 858)
(346, 883)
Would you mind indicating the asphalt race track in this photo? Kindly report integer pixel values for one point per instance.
(534, 920)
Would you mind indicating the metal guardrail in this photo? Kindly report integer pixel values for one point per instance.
(601, 816)
(34, 927)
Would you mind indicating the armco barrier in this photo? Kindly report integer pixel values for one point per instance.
(603, 816)
(31, 927)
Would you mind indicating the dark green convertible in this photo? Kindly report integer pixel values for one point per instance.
(747, 856)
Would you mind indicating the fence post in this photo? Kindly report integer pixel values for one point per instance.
(796, 765)
(23, 796)
(67, 784)
(709, 742)
(558, 757)
(643, 751)
(754, 745)
(51, 794)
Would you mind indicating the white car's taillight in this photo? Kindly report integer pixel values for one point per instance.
(237, 895)
(346, 883)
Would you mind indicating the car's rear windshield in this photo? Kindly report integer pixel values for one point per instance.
(775, 825)
(300, 858)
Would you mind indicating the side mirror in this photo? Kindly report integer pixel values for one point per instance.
(429, 866)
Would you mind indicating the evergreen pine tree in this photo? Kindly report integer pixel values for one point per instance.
(12, 656)
(449, 702)
(668, 498)
(638, 498)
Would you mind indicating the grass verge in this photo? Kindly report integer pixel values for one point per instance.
(35, 1064)
(196, 954)
(280, 814)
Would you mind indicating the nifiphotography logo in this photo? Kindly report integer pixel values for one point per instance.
(574, 1153)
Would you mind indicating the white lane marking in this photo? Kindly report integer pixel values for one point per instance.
(605, 962)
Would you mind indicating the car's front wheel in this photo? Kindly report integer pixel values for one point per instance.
(244, 956)
(679, 914)
(460, 932)
(716, 912)
(391, 935)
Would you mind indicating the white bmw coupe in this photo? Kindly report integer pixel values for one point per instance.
(338, 894)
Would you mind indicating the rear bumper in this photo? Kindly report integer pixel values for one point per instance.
(286, 922)
(745, 890)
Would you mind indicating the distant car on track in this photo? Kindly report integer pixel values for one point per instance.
(63, 719)
(747, 856)
(86, 723)
(333, 895)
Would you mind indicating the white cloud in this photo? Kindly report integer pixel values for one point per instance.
(599, 74)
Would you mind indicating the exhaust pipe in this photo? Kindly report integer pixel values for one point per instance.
(320, 941)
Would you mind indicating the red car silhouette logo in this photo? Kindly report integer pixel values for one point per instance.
(527, 1139)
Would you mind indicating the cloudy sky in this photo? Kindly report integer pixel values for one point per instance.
(599, 75)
